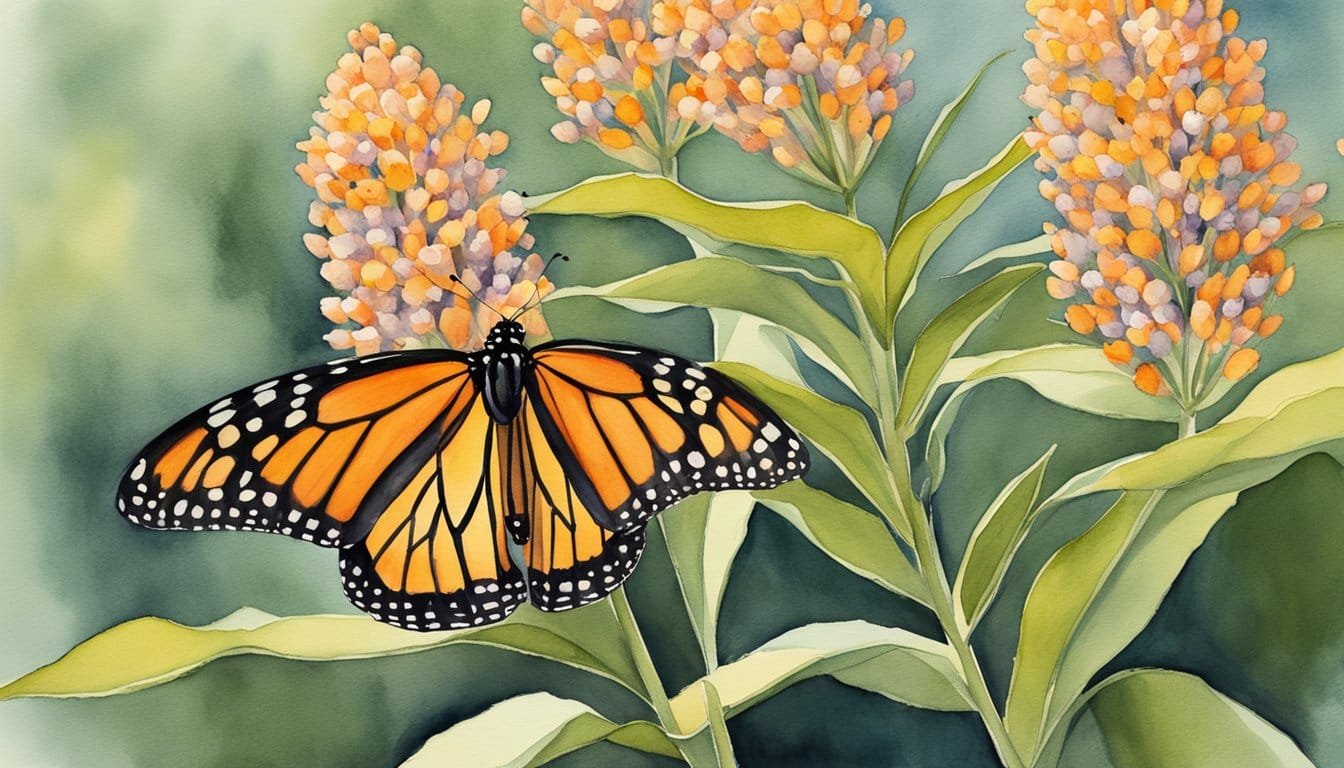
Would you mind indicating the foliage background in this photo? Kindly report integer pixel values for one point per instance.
(151, 259)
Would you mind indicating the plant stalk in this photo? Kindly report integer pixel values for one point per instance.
(639, 653)
(931, 567)
(655, 693)
(1186, 427)
(930, 563)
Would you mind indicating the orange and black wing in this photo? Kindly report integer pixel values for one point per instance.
(611, 435)
(638, 430)
(367, 454)
(435, 554)
(571, 560)
(300, 454)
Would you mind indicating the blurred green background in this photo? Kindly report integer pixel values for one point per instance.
(150, 231)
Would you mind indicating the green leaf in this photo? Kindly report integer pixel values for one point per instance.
(792, 227)
(894, 662)
(145, 652)
(995, 540)
(854, 538)
(945, 334)
(703, 535)
(1095, 595)
(1158, 718)
(836, 430)
(727, 283)
(1076, 376)
(532, 730)
(941, 126)
(1281, 417)
(1099, 591)
(1036, 246)
(922, 234)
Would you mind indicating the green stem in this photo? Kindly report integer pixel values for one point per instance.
(851, 205)
(935, 578)
(930, 564)
(1186, 427)
(718, 728)
(656, 695)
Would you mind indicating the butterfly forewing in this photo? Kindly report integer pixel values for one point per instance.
(638, 430)
(298, 454)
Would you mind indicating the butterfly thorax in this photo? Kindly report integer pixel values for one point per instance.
(499, 369)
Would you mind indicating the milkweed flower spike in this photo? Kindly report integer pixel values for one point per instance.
(1175, 183)
(614, 79)
(815, 83)
(405, 201)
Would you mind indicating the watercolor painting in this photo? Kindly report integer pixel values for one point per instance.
(658, 382)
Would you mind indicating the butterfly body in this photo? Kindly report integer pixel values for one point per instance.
(501, 368)
(427, 469)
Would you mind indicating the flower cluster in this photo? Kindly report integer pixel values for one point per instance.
(612, 67)
(814, 82)
(1175, 182)
(407, 202)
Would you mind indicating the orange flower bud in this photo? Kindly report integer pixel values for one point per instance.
(1242, 362)
(629, 111)
(1080, 320)
(1148, 379)
(1285, 281)
(1143, 244)
(1118, 352)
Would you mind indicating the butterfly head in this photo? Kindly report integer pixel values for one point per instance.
(506, 334)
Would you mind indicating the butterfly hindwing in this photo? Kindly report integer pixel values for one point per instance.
(638, 430)
(571, 560)
(298, 454)
(436, 554)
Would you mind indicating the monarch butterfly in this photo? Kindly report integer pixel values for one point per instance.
(422, 467)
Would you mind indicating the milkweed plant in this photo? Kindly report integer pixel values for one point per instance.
(1177, 204)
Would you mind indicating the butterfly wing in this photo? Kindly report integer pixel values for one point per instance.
(435, 555)
(611, 435)
(571, 560)
(638, 430)
(300, 454)
(382, 456)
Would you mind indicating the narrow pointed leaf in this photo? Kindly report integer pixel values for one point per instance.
(1076, 376)
(145, 652)
(837, 430)
(947, 118)
(924, 232)
(1280, 419)
(1036, 246)
(703, 535)
(995, 540)
(852, 537)
(945, 334)
(792, 227)
(722, 282)
(903, 666)
(532, 730)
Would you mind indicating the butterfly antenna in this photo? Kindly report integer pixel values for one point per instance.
(474, 295)
(536, 286)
